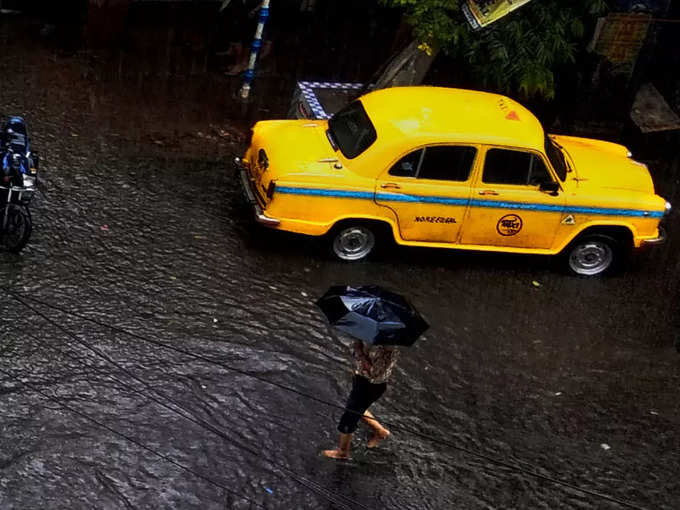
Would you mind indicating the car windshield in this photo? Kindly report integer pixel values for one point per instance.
(556, 157)
(352, 130)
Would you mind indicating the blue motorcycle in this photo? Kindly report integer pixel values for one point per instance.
(18, 181)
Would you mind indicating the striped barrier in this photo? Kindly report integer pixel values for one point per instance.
(307, 95)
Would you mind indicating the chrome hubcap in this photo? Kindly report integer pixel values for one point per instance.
(591, 258)
(353, 243)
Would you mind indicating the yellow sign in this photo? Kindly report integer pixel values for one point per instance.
(481, 13)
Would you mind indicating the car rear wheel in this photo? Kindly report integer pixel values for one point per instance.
(593, 255)
(353, 242)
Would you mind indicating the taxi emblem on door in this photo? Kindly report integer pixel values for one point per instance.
(509, 225)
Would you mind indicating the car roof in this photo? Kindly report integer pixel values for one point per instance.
(455, 115)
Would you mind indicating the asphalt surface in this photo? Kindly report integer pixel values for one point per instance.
(158, 350)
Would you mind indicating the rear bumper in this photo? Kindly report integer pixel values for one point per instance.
(656, 240)
(249, 195)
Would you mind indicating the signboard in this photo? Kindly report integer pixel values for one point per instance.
(651, 111)
(481, 13)
(621, 36)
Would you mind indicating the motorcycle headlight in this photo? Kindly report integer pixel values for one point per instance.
(28, 181)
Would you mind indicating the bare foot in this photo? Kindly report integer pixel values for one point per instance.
(335, 454)
(376, 437)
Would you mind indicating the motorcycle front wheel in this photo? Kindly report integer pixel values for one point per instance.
(17, 230)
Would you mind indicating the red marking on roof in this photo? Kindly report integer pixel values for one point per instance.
(512, 115)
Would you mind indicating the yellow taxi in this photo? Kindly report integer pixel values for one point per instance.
(450, 168)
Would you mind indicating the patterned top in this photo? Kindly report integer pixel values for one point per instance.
(374, 362)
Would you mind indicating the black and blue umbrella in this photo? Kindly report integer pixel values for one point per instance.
(372, 314)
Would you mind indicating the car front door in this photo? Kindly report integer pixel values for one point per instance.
(510, 205)
(429, 189)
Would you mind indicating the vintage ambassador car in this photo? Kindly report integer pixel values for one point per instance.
(450, 168)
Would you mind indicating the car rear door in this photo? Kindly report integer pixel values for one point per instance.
(429, 190)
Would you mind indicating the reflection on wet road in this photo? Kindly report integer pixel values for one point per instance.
(166, 350)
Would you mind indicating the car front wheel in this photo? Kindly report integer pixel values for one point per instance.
(593, 255)
(353, 242)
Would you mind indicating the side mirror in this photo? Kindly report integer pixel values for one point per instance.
(550, 187)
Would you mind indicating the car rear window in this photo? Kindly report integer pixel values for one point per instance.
(352, 130)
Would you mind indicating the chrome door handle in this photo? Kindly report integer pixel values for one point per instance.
(488, 192)
(390, 185)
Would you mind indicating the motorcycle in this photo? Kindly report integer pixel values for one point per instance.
(18, 182)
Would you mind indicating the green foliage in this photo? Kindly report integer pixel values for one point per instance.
(518, 53)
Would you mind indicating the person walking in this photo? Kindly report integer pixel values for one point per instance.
(373, 365)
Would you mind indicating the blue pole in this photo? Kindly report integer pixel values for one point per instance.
(255, 49)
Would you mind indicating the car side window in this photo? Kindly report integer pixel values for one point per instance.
(408, 165)
(447, 163)
(538, 173)
(504, 166)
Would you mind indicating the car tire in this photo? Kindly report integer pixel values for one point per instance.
(354, 241)
(594, 255)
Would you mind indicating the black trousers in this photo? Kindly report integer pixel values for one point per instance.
(363, 394)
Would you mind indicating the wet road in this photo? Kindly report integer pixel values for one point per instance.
(159, 351)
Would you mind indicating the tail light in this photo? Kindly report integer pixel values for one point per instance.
(271, 189)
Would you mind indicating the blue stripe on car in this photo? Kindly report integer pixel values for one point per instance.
(337, 193)
(498, 204)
